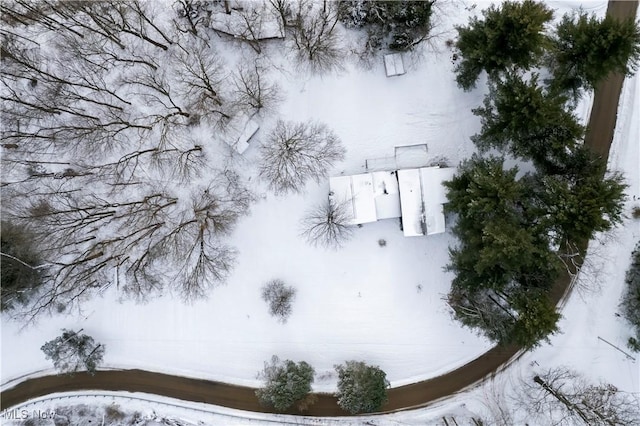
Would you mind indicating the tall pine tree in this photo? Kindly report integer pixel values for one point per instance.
(586, 49)
(509, 36)
(520, 117)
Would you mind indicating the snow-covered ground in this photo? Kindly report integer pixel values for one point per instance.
(383, 305)
(379, 304)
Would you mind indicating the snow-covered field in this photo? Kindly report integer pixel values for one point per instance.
(379, 304)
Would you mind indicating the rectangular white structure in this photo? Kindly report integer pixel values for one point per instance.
(387, 195)
(367, 197)
(393, 64)
(411, 202)
(435, 196)
(423, 196)
(355, 193)
(416, 195)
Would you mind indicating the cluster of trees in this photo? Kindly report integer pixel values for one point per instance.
(396, 25)
(560, 396)
(630, 303)
(362, 388)
(517, 231)
(579, 52)
(102, 166)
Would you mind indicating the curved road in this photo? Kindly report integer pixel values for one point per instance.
(599, 137)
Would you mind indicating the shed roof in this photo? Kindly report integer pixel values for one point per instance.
(393, 64)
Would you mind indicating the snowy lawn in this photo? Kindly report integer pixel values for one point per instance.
(383, 305)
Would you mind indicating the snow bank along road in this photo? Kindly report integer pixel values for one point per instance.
(599, 137)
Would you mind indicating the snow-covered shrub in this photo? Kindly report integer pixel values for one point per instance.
(362, 388)
(72, 352)
(286, 383)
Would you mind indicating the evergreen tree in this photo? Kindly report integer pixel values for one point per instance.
(72, 351)
(509, 316)
(285, 384)
(503, 264)
(509, 36)
(399, 24)
(362, 388)
(586, 49)
(521, 118)
(574, 207)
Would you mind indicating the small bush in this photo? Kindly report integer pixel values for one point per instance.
(633, 344)
(113, 413)
(636, 212)
(279, 297)
(382, 242)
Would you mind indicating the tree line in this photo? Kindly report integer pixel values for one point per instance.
(516, 231)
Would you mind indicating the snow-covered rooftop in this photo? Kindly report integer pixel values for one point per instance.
(422, 196)
(416, 195)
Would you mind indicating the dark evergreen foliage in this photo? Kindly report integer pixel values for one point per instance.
(509, 36)
(586, 49)
(574, 207)
(362, 388)
(503, 263)
(399, 25)
(521, 118)
(21, 266)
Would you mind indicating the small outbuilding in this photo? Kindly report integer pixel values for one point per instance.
(393, 64)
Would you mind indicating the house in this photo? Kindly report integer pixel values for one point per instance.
(367, 197)
(416, 195)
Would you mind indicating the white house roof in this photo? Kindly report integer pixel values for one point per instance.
(367, 197)
(387, 195)
(411, 202)
(416, 195)
(422, 196)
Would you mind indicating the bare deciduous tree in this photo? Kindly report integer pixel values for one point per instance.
(314, 37)
(279, 297)
(327, 224)
(295, 153)
(253, 89)
(567, 398)
(201, 74)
